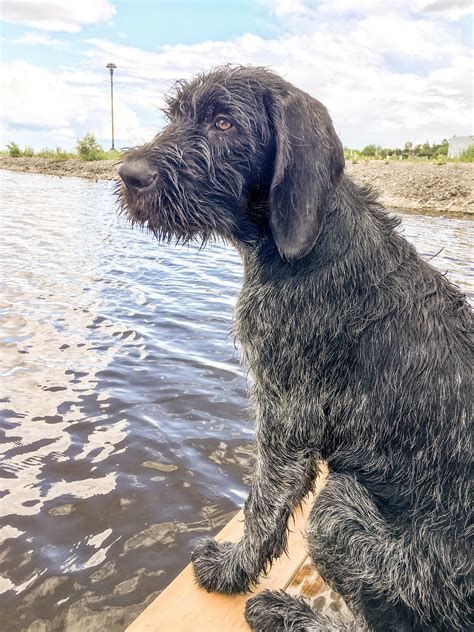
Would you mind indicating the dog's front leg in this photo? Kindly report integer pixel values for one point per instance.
(284, 474)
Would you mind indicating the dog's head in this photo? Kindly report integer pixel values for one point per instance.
(245, 154)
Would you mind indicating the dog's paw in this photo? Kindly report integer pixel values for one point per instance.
(276, 612)
(217, 568)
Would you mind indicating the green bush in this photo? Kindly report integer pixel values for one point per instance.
(28, 152)
(45, 152)
(55, 154)
(467, 155)
(441, 150)
(111, 154)
(14, 150)
(88, 148)
(369, 151)
(61, 154)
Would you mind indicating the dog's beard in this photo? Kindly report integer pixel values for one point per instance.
(173, 215)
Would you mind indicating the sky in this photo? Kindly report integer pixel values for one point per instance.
(389, 71)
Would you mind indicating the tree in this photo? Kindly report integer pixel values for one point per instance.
(88, 148)
(426, 150)
(370, 150)
(14, 149)
(440, 150)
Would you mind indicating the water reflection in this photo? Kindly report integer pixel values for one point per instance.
(123, 429)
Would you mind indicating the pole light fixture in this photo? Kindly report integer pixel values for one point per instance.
(112, 67)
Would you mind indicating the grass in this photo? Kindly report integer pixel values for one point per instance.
(61, 154)
(87, 149)
(355, 157)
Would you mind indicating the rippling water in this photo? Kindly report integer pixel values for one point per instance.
(124, 436)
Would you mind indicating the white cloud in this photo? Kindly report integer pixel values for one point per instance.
(356, 66)
(450, 9)
(35, 37)
(32, 96)
(57, 15)
(344, 66)
(413, 39)
(284, 7)
(49, 110)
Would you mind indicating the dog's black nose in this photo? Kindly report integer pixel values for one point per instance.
(136, 173)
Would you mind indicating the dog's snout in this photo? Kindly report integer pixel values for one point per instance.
(136, 173)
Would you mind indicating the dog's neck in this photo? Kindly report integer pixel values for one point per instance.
(354, 224)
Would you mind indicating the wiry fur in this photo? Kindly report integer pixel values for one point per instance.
(359, 353)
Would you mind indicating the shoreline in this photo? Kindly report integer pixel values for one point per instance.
(411, 186)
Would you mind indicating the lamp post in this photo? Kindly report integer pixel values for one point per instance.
(112, 67)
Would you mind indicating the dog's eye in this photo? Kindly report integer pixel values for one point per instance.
(223, 123)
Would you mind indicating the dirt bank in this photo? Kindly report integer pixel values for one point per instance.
(424, 187)
(96, 170)
(416, 186)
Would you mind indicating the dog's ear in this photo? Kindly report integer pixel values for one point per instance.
(309, 159)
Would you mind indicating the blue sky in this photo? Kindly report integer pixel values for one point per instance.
(388, 71)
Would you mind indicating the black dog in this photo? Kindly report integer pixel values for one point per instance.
(359, 354)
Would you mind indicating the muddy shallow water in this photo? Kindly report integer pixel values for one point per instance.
(124, 433)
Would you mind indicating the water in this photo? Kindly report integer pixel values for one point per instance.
(124, 435)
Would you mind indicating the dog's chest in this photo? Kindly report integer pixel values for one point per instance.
(276, 333)
(289, 338)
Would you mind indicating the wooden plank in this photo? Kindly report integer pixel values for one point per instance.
(308, 583)
(183, 606)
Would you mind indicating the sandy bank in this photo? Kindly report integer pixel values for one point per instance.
(424, 187)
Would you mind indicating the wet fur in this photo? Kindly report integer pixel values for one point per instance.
(359, 352)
